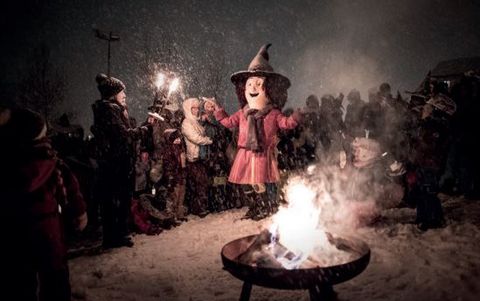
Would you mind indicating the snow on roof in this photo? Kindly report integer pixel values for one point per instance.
(456, 66)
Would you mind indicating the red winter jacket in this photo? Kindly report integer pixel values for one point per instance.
(33, 183)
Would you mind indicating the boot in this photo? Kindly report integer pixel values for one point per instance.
(252, 211)
(262, 205)
(252, 204)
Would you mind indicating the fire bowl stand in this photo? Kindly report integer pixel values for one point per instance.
(321, 292)
(318, 281)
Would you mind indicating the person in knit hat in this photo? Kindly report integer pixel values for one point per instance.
(262, 93)
(22, 126)
(109, 86)
(40, 198)
(115, 139)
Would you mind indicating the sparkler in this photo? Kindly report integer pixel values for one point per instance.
(173, 86)
(160, 81)
(165, 86)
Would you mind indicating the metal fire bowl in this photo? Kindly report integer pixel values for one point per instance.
(296, 278)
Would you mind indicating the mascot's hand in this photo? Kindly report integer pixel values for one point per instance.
(298, 115)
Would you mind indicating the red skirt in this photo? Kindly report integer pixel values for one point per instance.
(254, 168)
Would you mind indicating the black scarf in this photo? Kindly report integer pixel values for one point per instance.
(255, 132)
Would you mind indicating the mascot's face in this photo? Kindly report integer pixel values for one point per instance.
(255, 92)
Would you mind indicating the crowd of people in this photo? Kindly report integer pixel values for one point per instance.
(199, 160)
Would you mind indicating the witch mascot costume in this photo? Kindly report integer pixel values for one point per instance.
(261, 93)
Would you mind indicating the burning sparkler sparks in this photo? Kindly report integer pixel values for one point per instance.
(160, 81)
(175, 83)
(166, 83)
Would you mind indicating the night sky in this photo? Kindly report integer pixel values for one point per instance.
(322, 46)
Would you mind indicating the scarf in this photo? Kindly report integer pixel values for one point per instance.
(255, 132)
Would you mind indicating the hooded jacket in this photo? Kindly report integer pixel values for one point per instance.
(193, 131)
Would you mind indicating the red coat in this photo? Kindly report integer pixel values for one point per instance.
(256, 167)
(30, 191)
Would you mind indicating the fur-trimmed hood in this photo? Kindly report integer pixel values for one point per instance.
(187, 108)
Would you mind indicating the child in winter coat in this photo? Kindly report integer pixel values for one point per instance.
(215, 158)
(174, 174)
(194, 134)
(149, 216)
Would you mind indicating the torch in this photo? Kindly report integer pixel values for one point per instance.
(173, 86)
(165, 87)
(158, 96)
(159, 91)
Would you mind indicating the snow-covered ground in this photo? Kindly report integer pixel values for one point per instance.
(185, 264)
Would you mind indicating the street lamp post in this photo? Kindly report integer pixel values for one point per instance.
(110, 37)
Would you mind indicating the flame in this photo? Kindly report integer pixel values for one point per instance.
(297, 226)
(160, 81)
(173, 86)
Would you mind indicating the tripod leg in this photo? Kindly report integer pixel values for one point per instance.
(246, 290)
(322, 293)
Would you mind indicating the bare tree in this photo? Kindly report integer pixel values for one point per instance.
(43, 88)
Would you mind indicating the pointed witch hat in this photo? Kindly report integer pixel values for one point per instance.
(260, 67)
